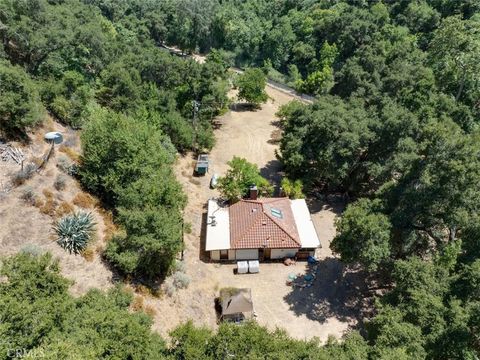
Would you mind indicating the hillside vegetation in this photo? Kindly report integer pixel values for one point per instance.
(394, 129)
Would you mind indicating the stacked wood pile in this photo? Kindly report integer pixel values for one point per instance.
(9, 153)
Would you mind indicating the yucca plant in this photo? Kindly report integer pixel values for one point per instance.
(74, 231)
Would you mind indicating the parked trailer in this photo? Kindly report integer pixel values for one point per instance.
(201, 167)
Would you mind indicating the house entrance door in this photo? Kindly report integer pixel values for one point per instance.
(223, 254)
(267, 253)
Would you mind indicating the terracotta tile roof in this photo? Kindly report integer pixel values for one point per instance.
(263, 223)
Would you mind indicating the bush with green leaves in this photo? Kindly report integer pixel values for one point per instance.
(75, 231)
(292, 189)
(238, 179)
(251, 86)
(181, 280)
(20, 105)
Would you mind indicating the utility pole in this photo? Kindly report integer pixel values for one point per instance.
(196, 106)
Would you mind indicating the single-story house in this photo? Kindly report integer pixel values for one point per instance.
(237, 304)
(260, 229)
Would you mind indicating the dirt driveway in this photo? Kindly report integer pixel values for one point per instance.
(316, 312)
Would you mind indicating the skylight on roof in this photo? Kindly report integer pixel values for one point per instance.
(277, 213)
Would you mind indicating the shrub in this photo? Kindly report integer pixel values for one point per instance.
(181, 280)
(60, 182)
(23, 175)
(292, 189)
(32, 249)
(28, 195)
(239, 177)
(170, 287)
(67, 166)
(179, 266)
(84, 200)
(74, 231)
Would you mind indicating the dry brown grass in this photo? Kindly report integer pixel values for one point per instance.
(49, 124)
(89, 253)
(64, 208)
(48, 194)
(99, 249)
(49, 205)
(150, 310)
(39, 136)
(137, 303)
(84, 200)
(37, 160)
(110, 227)
(143, 290)
(72, 154)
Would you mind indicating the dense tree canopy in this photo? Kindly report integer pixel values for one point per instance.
(394, 129)
(128, 162)
(397, 135)
(41, 319)
(20, 105)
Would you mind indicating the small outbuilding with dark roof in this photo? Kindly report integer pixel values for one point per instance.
(236, 304)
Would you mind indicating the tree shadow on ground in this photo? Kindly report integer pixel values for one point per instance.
(272, 171)
(337, 292)
(242, 107)
(336, 204)
(202, 253)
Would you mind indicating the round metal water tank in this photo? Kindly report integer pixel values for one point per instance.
(54, 137)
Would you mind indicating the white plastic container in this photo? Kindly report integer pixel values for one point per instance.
(253, 266)
(242, 267)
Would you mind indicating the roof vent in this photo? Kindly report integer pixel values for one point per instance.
(213, 221)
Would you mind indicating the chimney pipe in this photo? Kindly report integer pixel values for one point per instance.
(253, 192)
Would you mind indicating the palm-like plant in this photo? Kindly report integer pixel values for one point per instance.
(74, 231)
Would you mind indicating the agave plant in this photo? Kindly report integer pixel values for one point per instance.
(74, 231)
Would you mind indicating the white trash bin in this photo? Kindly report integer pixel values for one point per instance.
(253, 266)
(242, 267)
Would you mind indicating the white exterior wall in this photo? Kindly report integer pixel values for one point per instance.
(246, 254)
(282, 253)
(215, 255)
(231, 254)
